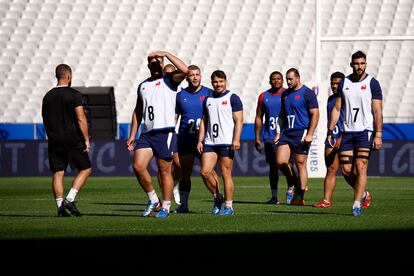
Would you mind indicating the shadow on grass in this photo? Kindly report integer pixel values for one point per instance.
(119, 203)
(255, 251)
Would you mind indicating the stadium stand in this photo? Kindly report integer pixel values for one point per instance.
(106, 43)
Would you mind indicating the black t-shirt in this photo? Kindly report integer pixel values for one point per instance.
(59, 118)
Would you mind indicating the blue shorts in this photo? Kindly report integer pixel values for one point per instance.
(270, 152)
(360, 139)
(294, 138)
(163, 143)
(222, 151)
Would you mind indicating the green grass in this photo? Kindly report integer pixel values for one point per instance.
(111, 207)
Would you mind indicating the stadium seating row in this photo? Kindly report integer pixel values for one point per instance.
(106, 43)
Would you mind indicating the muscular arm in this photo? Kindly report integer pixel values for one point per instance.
(377, 109)
(182, 69)
(135, 124)
(314, 114)
(333, 120)
(83, 125)
(238, 126)
(201, 132)
(258, 125)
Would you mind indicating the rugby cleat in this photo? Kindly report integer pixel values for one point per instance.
(297, 201)
(366, 201)
(62, 212)
(272, 200)
(226, 212)
(356, 212)
(71, 207)
(323, 204)
(218, 201)
(150, 207)
(163, 213)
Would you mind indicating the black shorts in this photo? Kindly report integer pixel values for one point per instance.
(76, 158)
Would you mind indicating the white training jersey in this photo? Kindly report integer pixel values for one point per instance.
(158, 99)
(220, 126)
(357, 98)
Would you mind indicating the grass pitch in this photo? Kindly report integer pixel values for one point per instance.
(111, 208)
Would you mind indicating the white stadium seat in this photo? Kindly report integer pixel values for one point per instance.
(106, 43)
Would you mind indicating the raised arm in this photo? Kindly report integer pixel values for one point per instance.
(182, 70)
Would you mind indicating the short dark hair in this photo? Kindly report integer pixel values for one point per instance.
(219, 74)
(193, 67)
(294, 70)
(62, 70)
(358, 54)
(337, 75)
(275, 73)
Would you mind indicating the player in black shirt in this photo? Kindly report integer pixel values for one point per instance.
(68, 140)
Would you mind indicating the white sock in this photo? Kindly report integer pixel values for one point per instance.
(59, 201)
(229, 204)
(166, 204)
(184, 198)
(274, 193)
(357, 204)
(152, 196)
(72, 195)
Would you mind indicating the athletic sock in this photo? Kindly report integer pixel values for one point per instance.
(357, 204)
(59, 201)
(274, 193)
(152, 196)
(166, 204)
(229, 204)
(72, 195)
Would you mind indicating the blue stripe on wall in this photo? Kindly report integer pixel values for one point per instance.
(403, 131)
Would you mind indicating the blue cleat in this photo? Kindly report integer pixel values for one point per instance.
(226, 212)
(356, 212)
(181, 210)
(150, 207)
(218, 201)
(289, 196)
(163, 213)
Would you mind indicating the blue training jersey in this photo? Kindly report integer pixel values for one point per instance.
(190, 107)
(339, 126)
(270, 105)
(296, 106)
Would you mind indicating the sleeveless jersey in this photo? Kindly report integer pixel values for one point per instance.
(270, 105)
(296, 105)
(219, 109)
(158, 98)
(357, 97)
(190, 107)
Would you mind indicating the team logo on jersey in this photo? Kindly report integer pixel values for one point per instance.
(364, 87)
(158, 83)
(297, 97)
(202, 98)
(224, 102)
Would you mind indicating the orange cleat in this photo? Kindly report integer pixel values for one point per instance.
(366, 201)
(323, 204)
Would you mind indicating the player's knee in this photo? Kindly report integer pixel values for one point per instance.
(205, 173)
(138, 168)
